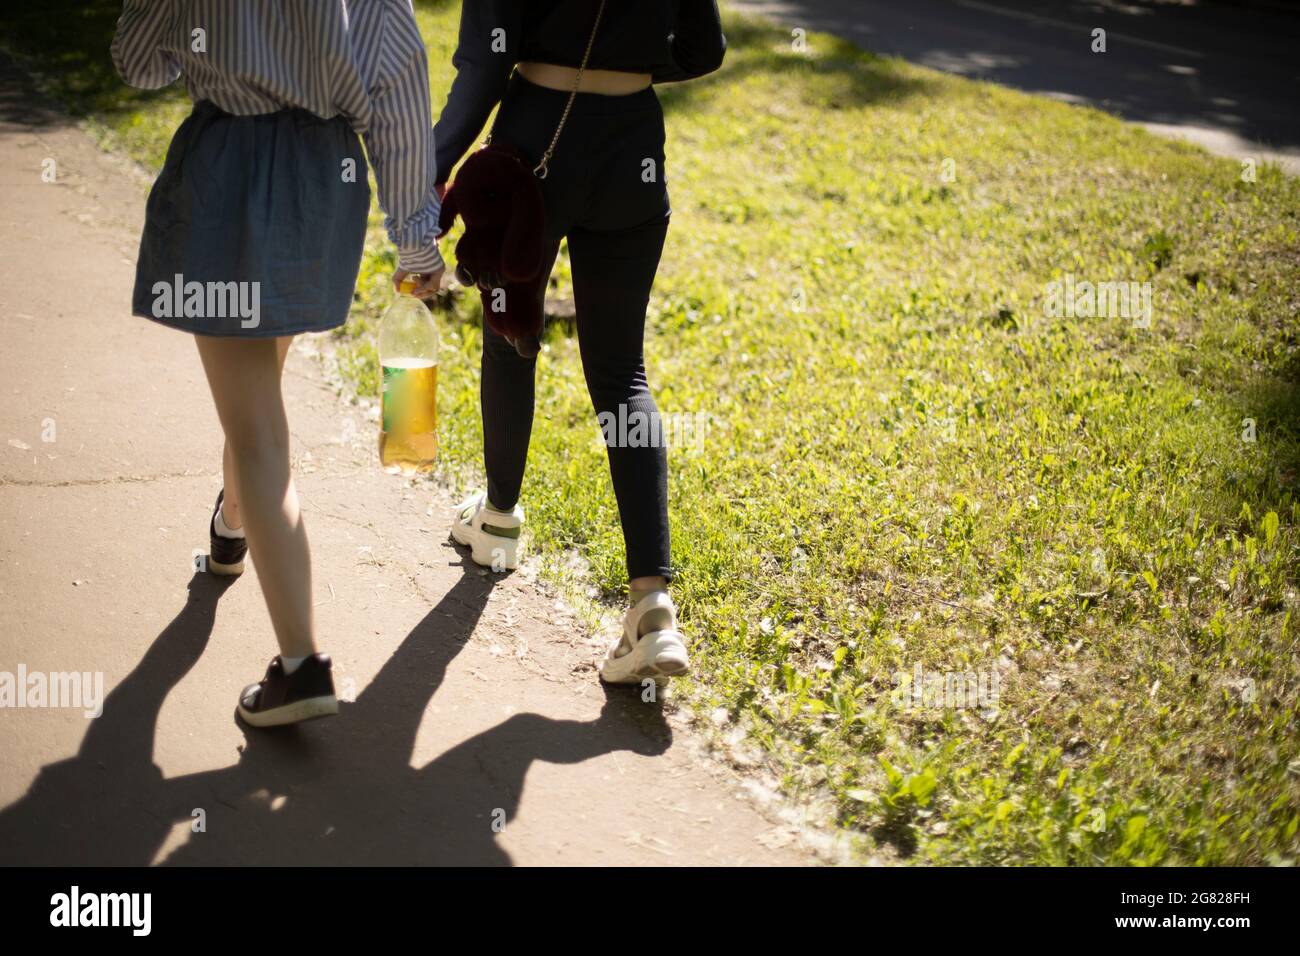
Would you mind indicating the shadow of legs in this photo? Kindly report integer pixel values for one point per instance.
(101, 805)
(339, 792)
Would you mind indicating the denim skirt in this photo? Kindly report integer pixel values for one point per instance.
(255, 226)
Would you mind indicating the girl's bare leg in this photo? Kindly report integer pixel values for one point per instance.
(244, 376)
(230, 500)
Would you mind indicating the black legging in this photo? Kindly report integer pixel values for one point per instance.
(605, 192)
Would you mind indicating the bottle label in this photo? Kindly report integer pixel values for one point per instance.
(410, 398)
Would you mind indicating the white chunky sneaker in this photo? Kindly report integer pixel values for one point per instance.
(491, 536)
(659, 653)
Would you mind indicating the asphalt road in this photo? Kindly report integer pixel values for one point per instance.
(1224, 75)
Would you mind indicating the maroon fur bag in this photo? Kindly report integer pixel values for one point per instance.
(501, 251)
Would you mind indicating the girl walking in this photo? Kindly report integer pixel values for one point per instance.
(253, 234)
(585, 67)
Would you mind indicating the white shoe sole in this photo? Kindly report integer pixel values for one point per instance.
(225, 570)
(294, 713)
(658, 655)
(488, 550)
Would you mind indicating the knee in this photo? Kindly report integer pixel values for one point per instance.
(259, 438)
(614, 388)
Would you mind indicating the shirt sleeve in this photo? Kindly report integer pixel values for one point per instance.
(491, 36)
(400, 140)
(697, 44)
(136, 44)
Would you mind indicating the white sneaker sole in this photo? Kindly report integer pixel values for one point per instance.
(225, 570)
(488, 550)
(659, 655)
(294, 713)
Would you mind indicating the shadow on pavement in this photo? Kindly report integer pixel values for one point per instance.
(337, 791)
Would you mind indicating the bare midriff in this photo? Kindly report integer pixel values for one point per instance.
(606, 82)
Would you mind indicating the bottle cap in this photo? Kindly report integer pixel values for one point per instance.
(407, 285)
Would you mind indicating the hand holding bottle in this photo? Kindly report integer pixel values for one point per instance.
(427, 284)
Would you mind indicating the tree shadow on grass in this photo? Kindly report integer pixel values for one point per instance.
(840, 75)
(338, 791)
(1197, 65)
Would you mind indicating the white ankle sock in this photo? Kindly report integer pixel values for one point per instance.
(224, 530)
(290, 664)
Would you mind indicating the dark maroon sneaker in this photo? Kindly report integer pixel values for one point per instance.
(282, 698)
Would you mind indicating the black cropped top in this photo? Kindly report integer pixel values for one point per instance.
(669, 39)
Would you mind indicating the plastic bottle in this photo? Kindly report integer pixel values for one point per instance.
(408, 360)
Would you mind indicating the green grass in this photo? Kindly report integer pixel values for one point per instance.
(910, 464)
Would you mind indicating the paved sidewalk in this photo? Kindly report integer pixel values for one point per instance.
(475, 702)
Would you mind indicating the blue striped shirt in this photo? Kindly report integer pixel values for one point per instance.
(361, 59)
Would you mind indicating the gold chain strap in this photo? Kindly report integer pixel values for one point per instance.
(540, 169)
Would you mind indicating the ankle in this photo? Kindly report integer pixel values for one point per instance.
(224, 526)
(657, 617)
(640, 588)
(290, 664)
